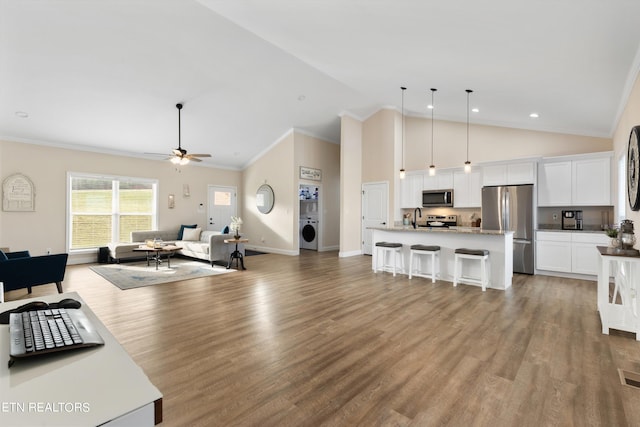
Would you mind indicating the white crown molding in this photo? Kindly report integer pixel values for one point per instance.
(634, 70)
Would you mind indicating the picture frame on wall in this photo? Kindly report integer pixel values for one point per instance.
(310, 173)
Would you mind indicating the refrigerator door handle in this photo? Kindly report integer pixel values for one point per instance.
(525, 241)
(507, 197)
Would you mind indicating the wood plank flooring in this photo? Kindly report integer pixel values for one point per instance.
(318, 340)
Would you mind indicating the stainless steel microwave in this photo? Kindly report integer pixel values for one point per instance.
(437, 198)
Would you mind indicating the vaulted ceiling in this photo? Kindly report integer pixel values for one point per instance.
(106, 75)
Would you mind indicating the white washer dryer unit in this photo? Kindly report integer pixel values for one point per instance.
(308, 234)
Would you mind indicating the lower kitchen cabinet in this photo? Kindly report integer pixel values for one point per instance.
(553, 251)
(569, 252)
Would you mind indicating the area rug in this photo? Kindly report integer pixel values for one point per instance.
(136, 274)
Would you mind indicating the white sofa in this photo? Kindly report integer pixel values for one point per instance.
(210, 247)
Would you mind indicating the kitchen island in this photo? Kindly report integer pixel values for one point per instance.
(499, 244)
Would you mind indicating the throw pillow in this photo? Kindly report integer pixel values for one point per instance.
(225, 230)
(182, 227)
(3, 257)
(191, 234)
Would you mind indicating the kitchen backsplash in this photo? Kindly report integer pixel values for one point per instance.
(593, 217)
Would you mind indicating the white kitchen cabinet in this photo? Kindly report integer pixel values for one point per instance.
(591, 181)
(553, 251)
(509, 173)
(554, 184)
(467, 189)
(575, 181)
(584, 255)
(521, 173)
(569, 252)
(442, 180)
(411, 190)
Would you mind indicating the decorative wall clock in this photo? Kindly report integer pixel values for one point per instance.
(633, 169)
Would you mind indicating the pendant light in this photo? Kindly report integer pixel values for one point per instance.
(432, 167)
(467, 164)
(402, 171)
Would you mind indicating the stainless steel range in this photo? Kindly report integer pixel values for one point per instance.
(441, 221)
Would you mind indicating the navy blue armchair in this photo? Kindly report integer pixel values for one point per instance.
(20, 270)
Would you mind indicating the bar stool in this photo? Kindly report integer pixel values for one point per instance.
(481, 255)
(384, 249)
(418, 251)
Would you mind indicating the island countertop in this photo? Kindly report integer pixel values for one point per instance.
(466, 230)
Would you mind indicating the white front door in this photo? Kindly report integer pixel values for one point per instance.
(222, 205)
(375, 208)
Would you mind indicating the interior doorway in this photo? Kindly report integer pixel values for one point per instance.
(310, 199)
(222, 204)
(375, 208)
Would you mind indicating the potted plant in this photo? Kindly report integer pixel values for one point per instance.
(613, 234)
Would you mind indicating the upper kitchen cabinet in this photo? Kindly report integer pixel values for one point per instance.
(467, 189)
(442, 180)
(512, 173)
(583, 180)
(411, 190)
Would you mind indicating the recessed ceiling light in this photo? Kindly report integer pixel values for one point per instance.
(22, 114)
(301, 98)
(430, 107)
(534, 115)
(475, 110)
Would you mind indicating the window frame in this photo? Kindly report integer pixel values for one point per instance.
(115, 208)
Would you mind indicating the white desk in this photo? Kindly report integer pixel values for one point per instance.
(84, 387)
(625, 269)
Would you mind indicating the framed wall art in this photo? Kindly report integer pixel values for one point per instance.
(310, 173)
(18, 194)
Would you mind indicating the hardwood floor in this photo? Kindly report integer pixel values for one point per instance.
(318, 340)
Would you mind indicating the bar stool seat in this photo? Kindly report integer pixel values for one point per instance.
(388, 248)
(481, 255)
(418, 251)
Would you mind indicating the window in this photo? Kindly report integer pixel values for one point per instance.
(622, 187)
(105, 209)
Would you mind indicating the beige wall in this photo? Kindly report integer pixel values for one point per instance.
(315, 153)
(277, 230)
(629, 118)
(350, 186)
(47, 167)
(486, 143)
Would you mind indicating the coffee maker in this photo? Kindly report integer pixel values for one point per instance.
(572, 220)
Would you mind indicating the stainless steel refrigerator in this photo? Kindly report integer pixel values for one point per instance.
(510, 208)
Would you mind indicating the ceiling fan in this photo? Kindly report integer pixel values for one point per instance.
(179, 156)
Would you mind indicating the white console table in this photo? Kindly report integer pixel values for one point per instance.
(85, 387)
(625, 269)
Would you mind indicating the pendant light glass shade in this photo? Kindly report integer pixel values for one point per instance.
(467, 164)
(402, 171)
(432, 167)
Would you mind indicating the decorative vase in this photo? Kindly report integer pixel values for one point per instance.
(615, 242)
(237, 235)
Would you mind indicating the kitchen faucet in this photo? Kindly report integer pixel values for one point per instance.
(415, 218)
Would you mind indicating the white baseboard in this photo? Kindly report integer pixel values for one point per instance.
(271, 250)
(342, 254)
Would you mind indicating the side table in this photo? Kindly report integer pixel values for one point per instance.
(236, 254)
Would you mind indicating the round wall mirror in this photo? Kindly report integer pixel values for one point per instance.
(264, 198)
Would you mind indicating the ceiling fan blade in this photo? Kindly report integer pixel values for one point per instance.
(200, 155)
(155, 154)
(193, 159)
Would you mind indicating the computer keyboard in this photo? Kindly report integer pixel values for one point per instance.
(50, 330)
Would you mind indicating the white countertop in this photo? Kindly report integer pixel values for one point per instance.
(559, 230)
(456, 230)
